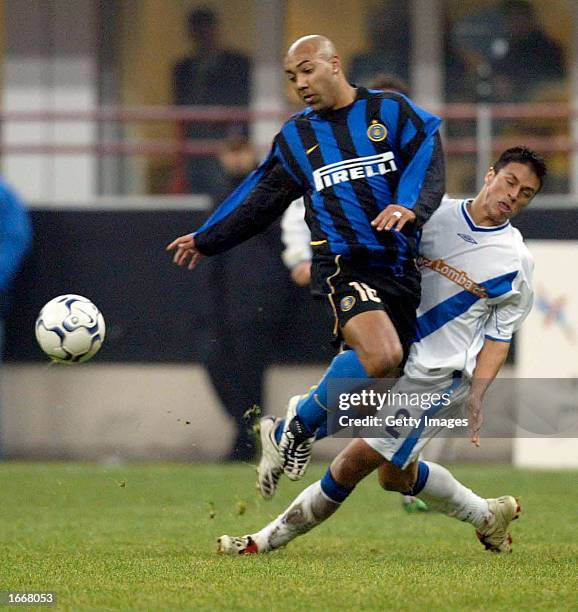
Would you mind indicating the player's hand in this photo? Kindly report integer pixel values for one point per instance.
(187, 253)
(301, 273)
(475, 418)
(394, 217)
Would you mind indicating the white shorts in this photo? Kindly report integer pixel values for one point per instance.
(416, 425)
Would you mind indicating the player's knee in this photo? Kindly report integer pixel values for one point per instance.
(398, 480)
(383, 361)
(394, 357)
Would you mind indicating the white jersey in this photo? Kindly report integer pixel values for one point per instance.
(476, 284)
(295, 235)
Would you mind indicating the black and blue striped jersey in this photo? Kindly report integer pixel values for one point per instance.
(349, 164)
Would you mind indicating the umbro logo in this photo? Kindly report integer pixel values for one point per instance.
(467, 238)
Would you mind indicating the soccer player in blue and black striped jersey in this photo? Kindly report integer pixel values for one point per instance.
(370, 167)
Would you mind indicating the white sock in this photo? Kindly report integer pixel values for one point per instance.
(308, 510)
(442, 492)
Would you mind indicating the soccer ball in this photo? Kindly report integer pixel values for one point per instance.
(70, 329)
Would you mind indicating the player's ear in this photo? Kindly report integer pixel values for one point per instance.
(490, 174)
(335, 64)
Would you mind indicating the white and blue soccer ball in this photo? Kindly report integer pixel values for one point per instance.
(70, 329)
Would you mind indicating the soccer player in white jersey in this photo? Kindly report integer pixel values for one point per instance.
(476, 291)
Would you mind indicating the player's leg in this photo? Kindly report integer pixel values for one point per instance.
(313, 505)
(373, 337)
(434, 483)
(375, 315)
(375, 351)
(405, 473)
(442, 492)
(311, 409)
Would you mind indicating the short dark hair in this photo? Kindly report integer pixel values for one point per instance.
(523, 155)
(201, 17)
(389, 82)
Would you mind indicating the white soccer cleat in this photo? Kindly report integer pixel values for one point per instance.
(494, 534)
(270, 467)
(231, 545)
(296, 443)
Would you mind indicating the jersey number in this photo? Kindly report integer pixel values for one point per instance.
(365, 292)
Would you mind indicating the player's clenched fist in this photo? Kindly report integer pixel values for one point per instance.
(187, 253)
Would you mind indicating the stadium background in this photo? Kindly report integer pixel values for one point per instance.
(102, 194)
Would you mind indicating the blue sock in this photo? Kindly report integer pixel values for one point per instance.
(279, 430)
(312, 409)
(321, 432)
(422, 476)
(345, 365)
(332, 489)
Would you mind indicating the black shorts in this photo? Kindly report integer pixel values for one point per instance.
(354, 285)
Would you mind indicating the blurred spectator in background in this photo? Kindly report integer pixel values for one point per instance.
(247, 288)
(528, 66)
(526, 59)
(470, 47)
(210, 76)
(457, 87)
(507, 55)
(388, 32)
(15, 239)
(501, 54)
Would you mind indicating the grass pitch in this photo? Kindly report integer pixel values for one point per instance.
(142, 537)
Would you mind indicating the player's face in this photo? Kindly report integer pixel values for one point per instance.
(509, 190)
(314, 78)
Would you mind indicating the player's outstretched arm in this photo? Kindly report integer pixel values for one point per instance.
(490, 359)
(186, 253)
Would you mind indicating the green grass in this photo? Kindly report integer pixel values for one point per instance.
(142, 537)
